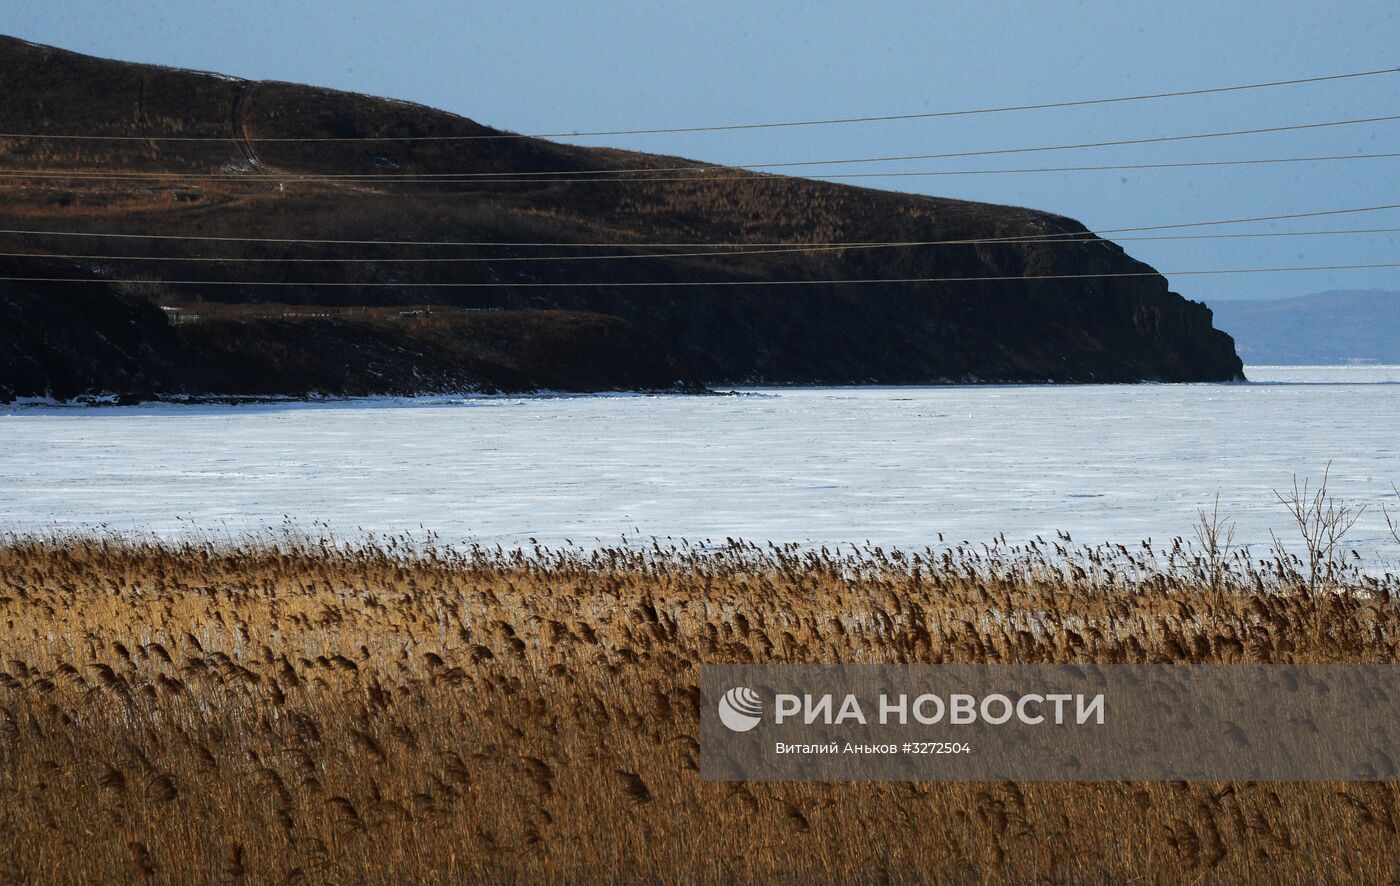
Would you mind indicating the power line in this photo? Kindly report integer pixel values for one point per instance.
(632, 284)
(1196, 164)
(947, 155)
(732, 126)
(687, 245)
(699, 167)
(711, 254)
(753, 177)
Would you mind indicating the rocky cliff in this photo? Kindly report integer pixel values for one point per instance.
(224, 217)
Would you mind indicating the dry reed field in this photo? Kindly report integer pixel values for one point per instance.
(297, 710)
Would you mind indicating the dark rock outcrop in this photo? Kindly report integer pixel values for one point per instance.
(76, 339)
(507, 351)
(85, 340)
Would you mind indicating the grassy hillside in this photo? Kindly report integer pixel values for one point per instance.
(247, 184)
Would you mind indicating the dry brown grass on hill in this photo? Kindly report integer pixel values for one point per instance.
(297, 711)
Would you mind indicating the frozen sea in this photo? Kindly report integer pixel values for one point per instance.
(891, 466)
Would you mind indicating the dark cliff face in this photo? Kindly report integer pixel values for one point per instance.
(909, 335)
(492, 352)
(81, 339)
(84, 340)
(246, 184)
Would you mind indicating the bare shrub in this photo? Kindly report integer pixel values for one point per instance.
(1215, 535)
(1322, 522)
(1392, 524)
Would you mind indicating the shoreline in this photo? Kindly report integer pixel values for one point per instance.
(432, 398)
(110, 400)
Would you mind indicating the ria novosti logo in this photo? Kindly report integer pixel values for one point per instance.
(740, 709)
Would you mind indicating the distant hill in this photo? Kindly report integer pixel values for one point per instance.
(1339, 326)
(254, 166)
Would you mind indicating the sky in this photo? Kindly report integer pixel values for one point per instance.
(569, 66)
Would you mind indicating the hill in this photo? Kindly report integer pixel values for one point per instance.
(237, 175)
(1339, 326)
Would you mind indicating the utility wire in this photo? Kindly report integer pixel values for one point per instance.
(719, 254)
(703, 167)
(945, 155)
(1088, 235)
(751, 177)
(631, 284)
(710, 167)
(733, 126)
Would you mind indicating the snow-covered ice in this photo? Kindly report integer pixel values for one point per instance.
(894, 466)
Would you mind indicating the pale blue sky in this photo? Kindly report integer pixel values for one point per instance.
(611, 65)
